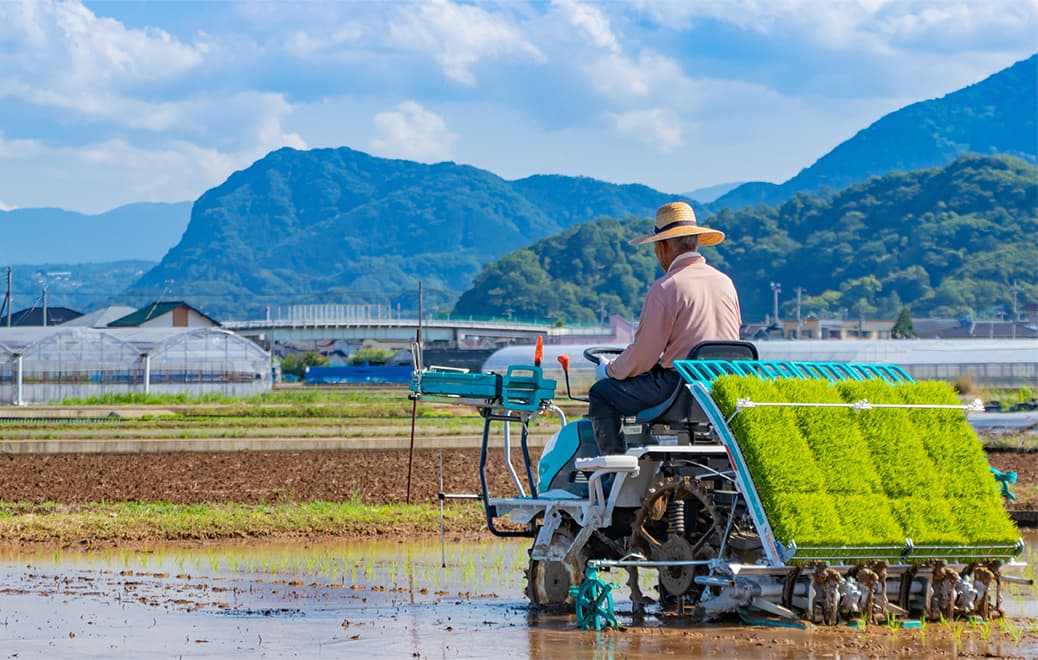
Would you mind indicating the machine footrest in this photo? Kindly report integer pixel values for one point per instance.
(617, 463)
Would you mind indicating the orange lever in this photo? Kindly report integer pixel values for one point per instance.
(564, 361)
(538, 351)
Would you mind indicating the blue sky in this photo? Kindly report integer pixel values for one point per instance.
(105, 103)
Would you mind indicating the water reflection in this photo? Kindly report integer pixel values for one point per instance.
(379, 598)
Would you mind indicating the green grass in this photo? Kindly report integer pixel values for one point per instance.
(136, 521)
(294, 396)
(833, 477)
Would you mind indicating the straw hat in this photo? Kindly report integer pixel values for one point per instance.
(677, 219)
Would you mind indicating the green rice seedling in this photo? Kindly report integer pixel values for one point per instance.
(833, 436)
(892, 622)
(950, 441)
(1016, 633)
(927, 521)
(957, 628)
(776, 453)
(807, 519)
(833, 477)
(896, 449)
(985, 629)
(867, 519)
(985, 521)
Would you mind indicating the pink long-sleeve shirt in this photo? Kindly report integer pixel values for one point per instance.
(691, 303)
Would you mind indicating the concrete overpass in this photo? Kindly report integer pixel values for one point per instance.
(453, 332)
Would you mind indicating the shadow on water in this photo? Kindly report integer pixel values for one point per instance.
(390, 599)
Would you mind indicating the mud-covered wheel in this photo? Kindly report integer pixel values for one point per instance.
(696, 535)
(548, 582)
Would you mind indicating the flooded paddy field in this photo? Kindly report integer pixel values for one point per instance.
(393, 599)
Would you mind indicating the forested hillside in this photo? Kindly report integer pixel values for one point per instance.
(943, 241)
(341, 225)
(997, 115)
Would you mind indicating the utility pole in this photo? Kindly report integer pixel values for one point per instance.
(7, 298)
(1013, 290)
(800, 291)
(776, 288)
(44, 305)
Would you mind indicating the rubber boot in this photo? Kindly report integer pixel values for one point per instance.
(607, 436)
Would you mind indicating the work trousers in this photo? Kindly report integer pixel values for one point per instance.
(610, 399)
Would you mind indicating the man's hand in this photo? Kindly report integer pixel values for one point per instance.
(600, 370)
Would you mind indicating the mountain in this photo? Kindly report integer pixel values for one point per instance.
(82, 287)
(338, 225)
(945, 241)
(142, 231)
(712, 193)
(998, 115)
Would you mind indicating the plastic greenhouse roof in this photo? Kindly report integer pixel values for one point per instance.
(902, 352)
(144, 340)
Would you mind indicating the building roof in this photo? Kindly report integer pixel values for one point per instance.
(965, 328)
(33, 316)
(153, 311)
(101, 317)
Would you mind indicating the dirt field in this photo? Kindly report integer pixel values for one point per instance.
(245, 477)
(270, 476)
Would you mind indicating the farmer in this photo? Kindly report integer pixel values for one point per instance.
(691, 303)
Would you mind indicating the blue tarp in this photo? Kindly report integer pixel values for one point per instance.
(358, 374)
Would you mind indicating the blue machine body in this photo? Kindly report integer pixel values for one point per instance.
(556, 468)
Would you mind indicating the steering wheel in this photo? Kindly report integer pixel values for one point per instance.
(594, 354)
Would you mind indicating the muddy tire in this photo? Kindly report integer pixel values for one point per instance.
(548, 582)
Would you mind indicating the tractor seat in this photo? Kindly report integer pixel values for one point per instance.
(674, 408)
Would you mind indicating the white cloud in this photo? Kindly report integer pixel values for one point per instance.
(657, 127)
(621, 77)
(6, 207)
(591, 22)
(878, 26)
(410, 131)
(306, 43)
(13, 149)
(66, 50)
(458, 37)
(102, 175)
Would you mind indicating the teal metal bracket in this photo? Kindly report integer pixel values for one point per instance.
(1004, 479)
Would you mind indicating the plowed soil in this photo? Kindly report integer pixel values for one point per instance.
(375, 476)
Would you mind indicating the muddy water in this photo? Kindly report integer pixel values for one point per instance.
(387, 599)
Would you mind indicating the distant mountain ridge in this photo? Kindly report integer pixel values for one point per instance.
(340, 224)
(950, 241)
(998, 115)
(79, 286)
(710, 194)
(141, 231)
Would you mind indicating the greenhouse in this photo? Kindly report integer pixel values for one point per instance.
(987, 362)
(50, 364)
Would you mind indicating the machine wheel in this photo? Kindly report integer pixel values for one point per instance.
(595, 605)
(693, 531)
(548, 582)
